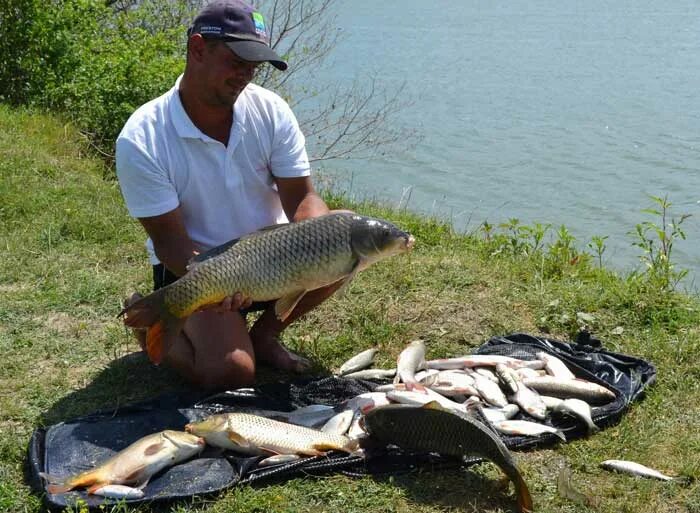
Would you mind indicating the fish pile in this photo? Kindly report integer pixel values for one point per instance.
(281, 263)
(430, 407)
(501, 387)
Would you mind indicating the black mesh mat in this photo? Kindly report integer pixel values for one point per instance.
(73, 446)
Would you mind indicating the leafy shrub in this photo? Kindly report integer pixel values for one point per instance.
(82, 58)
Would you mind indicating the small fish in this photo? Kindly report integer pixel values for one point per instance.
(567, 388)
(415, 398)
(427, 377)
(489, 390)
(450, 390)
(431, 428)
(133, 465)
(526, 428)
(551, 402)
(579, 409)
(508, 378)
(310, 416)
(527, 399)
(365, 402)
(340, 423)
(636, 469)
(251, 434)
(358, 362)
(482, 360)
(372, 374)
(411, 359)
(116, 491)
(487, 373)
(554, 366)
(278, 459)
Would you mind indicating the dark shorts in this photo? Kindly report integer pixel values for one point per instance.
(162, 277)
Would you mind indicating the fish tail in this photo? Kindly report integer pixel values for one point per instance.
(58, 485)
(161, 336)
(55, 484)
(145, 312)
(524, 499)
(162, 327)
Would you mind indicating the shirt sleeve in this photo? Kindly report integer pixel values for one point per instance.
(145, 185)
(289, 158)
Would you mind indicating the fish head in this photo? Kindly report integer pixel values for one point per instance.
(212, 424)
(375, 239)
(186, 442)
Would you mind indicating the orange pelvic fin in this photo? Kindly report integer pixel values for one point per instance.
(161, 336)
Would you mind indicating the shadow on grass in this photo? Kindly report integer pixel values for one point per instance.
(132, 378)
(463, 489)
(125, 380)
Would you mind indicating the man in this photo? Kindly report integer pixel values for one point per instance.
(212, 159)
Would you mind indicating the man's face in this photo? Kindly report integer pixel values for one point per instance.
(225, 74)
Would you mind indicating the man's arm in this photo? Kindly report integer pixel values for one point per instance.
(299, 198)
(174, 249)
(172, 244)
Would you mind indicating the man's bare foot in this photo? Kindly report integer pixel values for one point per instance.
(139, 333)
(270, 351)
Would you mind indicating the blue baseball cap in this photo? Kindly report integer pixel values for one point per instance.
(241, 27)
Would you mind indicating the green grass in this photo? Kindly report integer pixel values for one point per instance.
(69, 253)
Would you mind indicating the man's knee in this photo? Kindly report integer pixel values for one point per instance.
(236, 369)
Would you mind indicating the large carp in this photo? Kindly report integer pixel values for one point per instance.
(431, 428)
(282, 263)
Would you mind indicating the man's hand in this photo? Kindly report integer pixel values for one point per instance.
(230, 304)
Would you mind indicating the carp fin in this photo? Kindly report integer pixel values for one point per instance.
(273, 452)
(434, 405)
(285, 305)
(161, 336)
(347, 279)
(236, 438)
(216, 251)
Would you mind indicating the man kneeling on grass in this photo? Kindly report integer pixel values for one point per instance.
(214, 158)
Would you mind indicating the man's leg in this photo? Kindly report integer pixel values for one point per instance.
(265, 333)
(214, 351)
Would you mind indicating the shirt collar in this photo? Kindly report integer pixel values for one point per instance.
(183, 124)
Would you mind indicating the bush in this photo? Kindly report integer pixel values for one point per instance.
(81, 58)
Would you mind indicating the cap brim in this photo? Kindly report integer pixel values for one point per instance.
(255, 51)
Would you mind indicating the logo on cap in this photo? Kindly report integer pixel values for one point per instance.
(259, 23)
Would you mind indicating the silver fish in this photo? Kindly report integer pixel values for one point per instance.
(372, 374)
(278, 459)
(411, 359)
(489, 391)
(340, 423)
(554, 366)
(117, 491)
(579, 409)
(636, 469)
(567, 388)
(358, 362)
(526, 428)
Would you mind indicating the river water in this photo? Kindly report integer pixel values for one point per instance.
(549, 111)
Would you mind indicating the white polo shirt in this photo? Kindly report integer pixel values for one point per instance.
(164, 161)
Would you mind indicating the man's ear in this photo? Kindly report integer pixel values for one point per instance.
(196, 47)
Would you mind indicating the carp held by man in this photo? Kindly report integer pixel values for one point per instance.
(281, 262)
